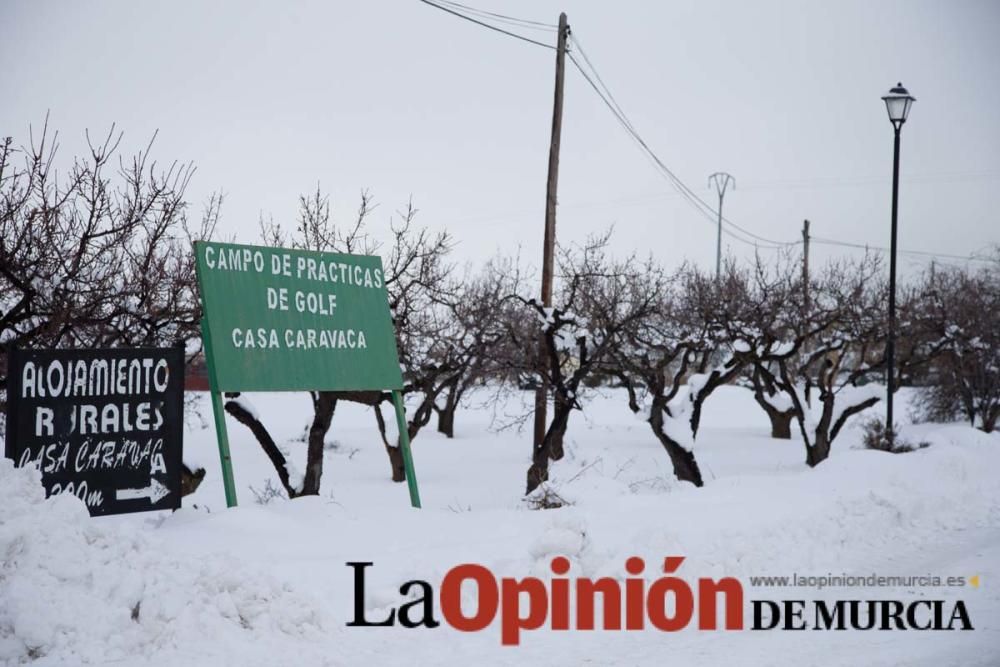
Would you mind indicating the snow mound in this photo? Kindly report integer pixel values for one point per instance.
(565, 535)
(76, 590)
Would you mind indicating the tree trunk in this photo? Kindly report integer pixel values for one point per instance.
(191, 479)
(823, 436)
(395, 455)
(266, 442)
(393, 450)
(819, 451)
(396, 463)
(781, 422)
(324, 403)
(446, 415)
(556, 450)
(990, 416)
(781, 425)
(683, 461)
(446, 421)
(539, 470)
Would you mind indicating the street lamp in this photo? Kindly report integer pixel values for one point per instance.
(897, 103)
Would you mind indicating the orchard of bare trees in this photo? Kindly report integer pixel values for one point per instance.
(813, 354)
(100, 255)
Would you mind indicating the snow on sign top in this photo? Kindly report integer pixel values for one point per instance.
(289, 320)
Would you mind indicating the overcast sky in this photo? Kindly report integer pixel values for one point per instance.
(269, 98)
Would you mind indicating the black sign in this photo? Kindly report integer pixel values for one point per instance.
(103, 425)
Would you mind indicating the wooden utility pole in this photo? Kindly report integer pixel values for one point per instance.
(806, 346)
(548, 248)
(805, 264)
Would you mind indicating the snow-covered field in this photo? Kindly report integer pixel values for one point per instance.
(266, 584)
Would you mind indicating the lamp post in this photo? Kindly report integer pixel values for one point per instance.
(897, 103)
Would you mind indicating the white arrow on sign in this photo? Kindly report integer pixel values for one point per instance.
(155, 492)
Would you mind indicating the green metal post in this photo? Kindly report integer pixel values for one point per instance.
(220, 419)
(404, 444)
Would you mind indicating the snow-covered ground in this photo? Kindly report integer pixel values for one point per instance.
(266, 584)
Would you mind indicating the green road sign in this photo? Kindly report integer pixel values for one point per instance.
(277, 319)
(284, 320)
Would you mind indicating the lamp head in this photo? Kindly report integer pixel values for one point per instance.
(897, 103)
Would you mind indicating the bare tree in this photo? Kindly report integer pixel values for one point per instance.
(430, 363)
(415, 270)
(834, 353)
(693, 342)
(598, 298)
(779, 410)
(813, 359)
(775, 330)
(314, 230)
(960, 310)
(653, 365)
(101, 255)
(417, 276)
(474, 334)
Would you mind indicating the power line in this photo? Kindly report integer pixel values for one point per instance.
(626, 124)
(487, 25)
(692, 198)
(697, 202)
(660, 167)
(841, 182)
(502, 18)
(616, 109)
(703, 207)
(921, 253)
(608, 98)
(686, 192)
